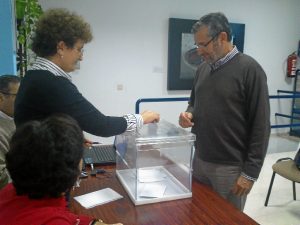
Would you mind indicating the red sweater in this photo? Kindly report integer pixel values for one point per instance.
(20, 210)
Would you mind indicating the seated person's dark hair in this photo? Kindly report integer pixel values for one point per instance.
(44, 157)
(5, 80)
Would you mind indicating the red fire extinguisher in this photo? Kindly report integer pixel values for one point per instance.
(291, 65)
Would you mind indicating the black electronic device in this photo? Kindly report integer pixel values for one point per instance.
(100, 155)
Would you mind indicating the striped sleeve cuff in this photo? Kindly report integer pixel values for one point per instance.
(134, 122)
(248, 177)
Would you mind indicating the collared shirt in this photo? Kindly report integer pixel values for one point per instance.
(45, 64)
(248, 177)
(5, 116)
(225, 59)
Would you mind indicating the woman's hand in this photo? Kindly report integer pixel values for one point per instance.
(150, 117)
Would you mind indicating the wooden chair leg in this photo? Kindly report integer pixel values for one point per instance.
(270, 188)
(294, 190)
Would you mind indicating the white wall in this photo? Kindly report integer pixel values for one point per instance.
(130, 47)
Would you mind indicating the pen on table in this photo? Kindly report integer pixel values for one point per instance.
(92, 166)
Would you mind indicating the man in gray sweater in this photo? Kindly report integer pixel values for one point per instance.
(9, 85)
(228, 111)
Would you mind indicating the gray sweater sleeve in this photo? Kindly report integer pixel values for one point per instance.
(258, 108)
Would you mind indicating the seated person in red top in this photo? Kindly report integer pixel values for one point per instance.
(44, 162)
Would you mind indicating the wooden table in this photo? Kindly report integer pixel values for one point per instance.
(205, 207)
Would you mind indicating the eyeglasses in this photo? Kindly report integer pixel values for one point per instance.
(207, 43)
(7, 93)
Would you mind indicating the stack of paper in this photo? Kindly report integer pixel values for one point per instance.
(153, 190)
(153, 185)
(97, 198)
(151, 175)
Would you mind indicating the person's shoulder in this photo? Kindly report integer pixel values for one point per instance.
(6, 125)
(250, 66)
(44, 78)
(247, 59)
(38, 73)
(43, 75)
(33, 77)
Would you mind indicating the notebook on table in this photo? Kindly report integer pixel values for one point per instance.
(100, 155)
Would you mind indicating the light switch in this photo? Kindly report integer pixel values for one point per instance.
(120, 87)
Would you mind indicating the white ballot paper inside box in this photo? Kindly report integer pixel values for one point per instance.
(97, 198)
(151, 175)
(153, 190)
(152, 185)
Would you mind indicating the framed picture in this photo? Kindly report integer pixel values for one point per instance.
(182, 54)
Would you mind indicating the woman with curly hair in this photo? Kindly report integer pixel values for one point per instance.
(44, 162)
(47, 87)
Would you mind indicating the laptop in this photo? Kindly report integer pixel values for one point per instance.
(100, 155)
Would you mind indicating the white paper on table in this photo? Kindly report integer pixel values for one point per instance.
(155, 190)
(151, 175)
(98, 198)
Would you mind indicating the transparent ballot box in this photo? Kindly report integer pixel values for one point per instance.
(155, 164)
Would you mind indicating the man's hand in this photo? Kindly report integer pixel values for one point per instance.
(185, 119)
(242, 186)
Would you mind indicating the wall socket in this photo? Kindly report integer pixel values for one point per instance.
(120, 87)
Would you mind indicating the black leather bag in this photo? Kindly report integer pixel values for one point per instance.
(297, 159)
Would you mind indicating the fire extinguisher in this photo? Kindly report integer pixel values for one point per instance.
(291, 65)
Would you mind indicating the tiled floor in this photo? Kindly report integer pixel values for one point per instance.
(281, 209)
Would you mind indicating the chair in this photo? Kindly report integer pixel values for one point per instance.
(285, 167)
